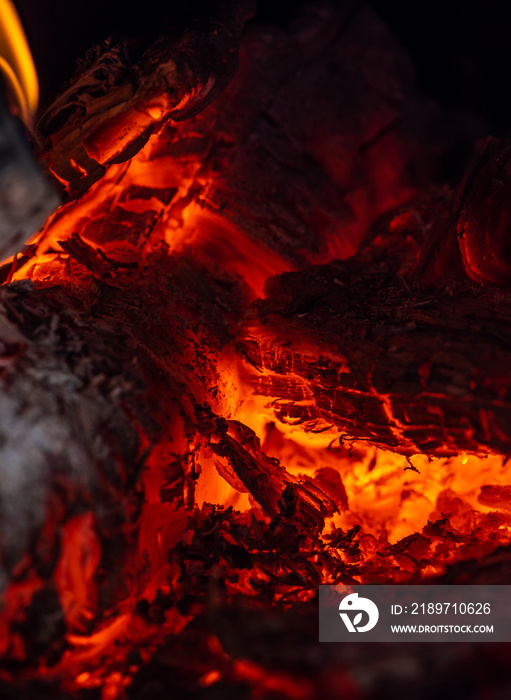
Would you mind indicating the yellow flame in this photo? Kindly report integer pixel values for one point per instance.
(16, 62)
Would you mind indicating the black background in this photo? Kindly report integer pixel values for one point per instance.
(461, 48)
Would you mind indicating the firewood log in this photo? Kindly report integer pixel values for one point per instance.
(410, 369)
(284, 139)
(401, 339)
(110, 408)
(300, 153)
(113, 398)
(114, 103)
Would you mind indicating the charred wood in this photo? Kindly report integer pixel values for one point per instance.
(321, 131)
(115, 401)
(411, 369)
(114, 104)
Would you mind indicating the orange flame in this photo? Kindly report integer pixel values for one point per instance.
(16, 62)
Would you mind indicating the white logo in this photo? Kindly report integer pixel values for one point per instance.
(355, 604)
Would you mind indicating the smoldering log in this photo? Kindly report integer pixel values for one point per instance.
(413, 356)
(483, 215)
(117, 358)
(115, 102)
(288, 144)
(410, 369)
(300, 153)
(85, 377)
(108, 112)
(303, 154)
(66, 441)
(162, 322)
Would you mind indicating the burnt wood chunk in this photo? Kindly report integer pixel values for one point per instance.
(410, 369)
(115, 102)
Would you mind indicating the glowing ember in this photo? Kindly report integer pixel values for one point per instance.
(238, 481)
(398, 518)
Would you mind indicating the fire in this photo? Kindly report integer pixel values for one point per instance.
(317, 507)
(397, 517)
(16, 62)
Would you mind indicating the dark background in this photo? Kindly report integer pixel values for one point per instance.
(461, 48)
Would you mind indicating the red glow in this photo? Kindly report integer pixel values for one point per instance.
(383, 521)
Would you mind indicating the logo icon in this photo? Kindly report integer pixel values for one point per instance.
(352, 603)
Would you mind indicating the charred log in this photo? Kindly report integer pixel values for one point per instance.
(125, 363)
(113, 104)
(67, 441)
(483, 218)
(106, 425)
(397, 340)
(411, 369)
(113, 383)
(300, 153)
